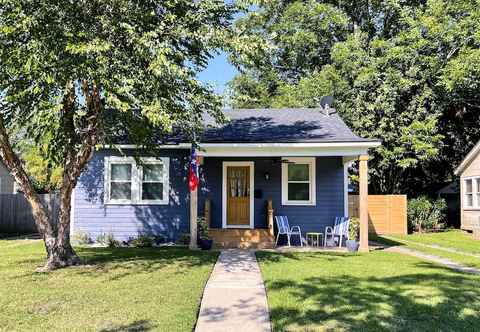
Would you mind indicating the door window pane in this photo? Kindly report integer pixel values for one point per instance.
(121, 190)
(298, 191)
(298, 172)
(152, 191)
(121, 172)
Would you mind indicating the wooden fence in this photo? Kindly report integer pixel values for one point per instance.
(16, 214)
(387, 214)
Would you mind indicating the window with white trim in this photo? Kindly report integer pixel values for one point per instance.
(471, 196)
(127, 182)
(298, 181)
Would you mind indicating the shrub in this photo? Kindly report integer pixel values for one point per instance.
(202, 228)
(354, 229)
(425, 214)
(142, 241)
(81, 238)
(184, 239)
(107, 239)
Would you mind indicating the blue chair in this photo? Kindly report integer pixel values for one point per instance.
(339, 230)
(284, 229)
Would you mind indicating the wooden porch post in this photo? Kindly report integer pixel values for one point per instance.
(270, 217)
(193, 218)
(363, 186)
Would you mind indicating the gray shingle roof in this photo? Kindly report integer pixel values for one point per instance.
(279, 125)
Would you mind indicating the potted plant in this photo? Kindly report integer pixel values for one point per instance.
(353, 233)
(204, 241)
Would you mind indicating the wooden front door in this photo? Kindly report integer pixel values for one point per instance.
(238, 196)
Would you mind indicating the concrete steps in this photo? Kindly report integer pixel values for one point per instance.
(242, 238)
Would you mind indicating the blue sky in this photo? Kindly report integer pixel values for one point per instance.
(218, 72)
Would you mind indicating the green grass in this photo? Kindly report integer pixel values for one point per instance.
(380, 291)
(455, 239)
(122, 289)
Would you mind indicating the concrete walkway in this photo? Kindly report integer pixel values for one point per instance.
(234, 298)
(436, 259)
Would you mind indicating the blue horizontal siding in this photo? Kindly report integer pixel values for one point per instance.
(329, 192)
(124, 221)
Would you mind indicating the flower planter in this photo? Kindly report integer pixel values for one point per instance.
(205, 244)
(352, 245)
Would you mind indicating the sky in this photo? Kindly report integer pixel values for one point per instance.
(218, 72)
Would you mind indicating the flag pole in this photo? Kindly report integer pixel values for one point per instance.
(193, 210)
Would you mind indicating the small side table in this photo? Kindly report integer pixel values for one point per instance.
(315, 238)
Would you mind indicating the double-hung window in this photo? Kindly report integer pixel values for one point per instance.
(298, 181)
(471, 189)
(129, 182)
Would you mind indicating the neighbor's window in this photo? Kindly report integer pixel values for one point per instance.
(471, 188)
(127, 182)
(298, 181)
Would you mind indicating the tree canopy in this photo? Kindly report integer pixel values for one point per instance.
(405, 72)
(74, 74)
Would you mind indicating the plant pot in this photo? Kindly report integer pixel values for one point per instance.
(205, 244)
(352, 245)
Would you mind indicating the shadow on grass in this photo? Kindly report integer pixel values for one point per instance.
(137, 326)
(383, 240)
(435, 299)
(116, 263)
(142, 260)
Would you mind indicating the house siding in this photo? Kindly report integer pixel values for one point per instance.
(124, 221)
(469, 216)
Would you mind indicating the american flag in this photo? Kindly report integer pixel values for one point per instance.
(193, 178)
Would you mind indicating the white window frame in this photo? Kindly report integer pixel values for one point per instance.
(475, 193)
(137, 180)
(312, 177)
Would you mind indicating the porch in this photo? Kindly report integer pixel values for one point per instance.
(239, 197)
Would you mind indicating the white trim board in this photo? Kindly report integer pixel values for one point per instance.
(225, 164)
(273, 149)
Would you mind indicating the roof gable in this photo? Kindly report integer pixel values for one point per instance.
(468, 159)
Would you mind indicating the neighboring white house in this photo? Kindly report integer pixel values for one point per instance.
(469, 172)
(7, 184)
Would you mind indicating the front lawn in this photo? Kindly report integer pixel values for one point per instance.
(380, 291)
(454, 239)
(122, 289)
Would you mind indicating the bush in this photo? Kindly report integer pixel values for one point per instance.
(184, 239)
(354, 229)
(202, 229)
(107, 239)
(142, 241)
(81, 238)
(425, 214)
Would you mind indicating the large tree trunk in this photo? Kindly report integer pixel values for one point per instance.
(78, 152)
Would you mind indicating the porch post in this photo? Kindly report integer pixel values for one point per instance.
(363, 186)
(193, 218)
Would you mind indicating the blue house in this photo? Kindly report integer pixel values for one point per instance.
(294, 159)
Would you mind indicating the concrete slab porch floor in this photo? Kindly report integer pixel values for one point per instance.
(234, 298)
